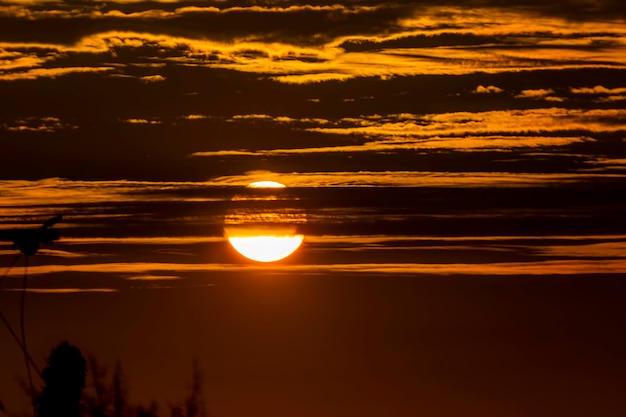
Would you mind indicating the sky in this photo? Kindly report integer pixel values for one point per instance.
(457, 169)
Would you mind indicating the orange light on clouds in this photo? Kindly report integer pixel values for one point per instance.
(261, 233)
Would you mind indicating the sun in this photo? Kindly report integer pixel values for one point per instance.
(260, 229)
(269, 248)
(266, 184)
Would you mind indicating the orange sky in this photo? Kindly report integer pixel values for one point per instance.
(461, 167)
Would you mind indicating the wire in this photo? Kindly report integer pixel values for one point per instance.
(19, 343)
(9, 267)
(8, 325)
(23, 330)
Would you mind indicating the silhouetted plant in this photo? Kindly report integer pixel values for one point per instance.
(64, 380)
(120, 392)
(176, 411)
(74, 387)
(194, 403)
(105, 396)
(151, 411)
(98, 398)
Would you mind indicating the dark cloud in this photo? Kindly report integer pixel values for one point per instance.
(304, 23)
(309, 25)
(76, 125)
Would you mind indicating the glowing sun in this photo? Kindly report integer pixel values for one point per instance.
(266, 248)
(263, 224)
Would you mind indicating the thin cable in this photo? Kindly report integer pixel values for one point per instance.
(9, 268)
(10, 328)
(23, 330)
(19, 343)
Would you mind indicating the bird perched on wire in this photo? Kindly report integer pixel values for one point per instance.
(27, 240)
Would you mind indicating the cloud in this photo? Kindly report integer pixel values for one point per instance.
(498, 130)
(137, 121)
(551, 267)
(303, 24)
(152, 277)
(535, 94)
(505, 268)
(63, 254)
(303, 44)
(40, 195)
(54, 191)
(47, 124)
(601, 93)
(604, 164)
(494, 18)
(152, 78)
(500, 143)
(597, 90)
(593, 250)
(35, 73)
(410, 179)
(64, 290)
(14, 60)
(540, 94)
(513, 122)
(136, 240)
(610, 99)
(194, 116)
(418, 241)
(492, 89)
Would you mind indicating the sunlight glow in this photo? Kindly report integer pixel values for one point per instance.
(263, 224)
(266, 184)
(266, 248)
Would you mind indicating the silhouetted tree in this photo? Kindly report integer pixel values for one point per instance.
(105, 395)
(194, 403)
(120, 392)
(151, 411)
(74, 387)
(98, 398)
(176, 411)
(64, 380)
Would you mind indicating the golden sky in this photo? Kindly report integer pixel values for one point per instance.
(127, 78)
(461, 165)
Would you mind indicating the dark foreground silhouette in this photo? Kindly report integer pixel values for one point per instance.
(77, 387)
(27, 241)
(64, 380)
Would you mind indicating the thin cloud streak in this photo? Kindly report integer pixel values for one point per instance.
(36, 73)
(354, 240)
(63, 290)
(502, 143)
(552, 267)
(593, 250)
(47, 124)
(153, 277)
(412, 179)
(503, 269)
(466, 123)
(382, 239)
(130, 240)
(59, 191)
